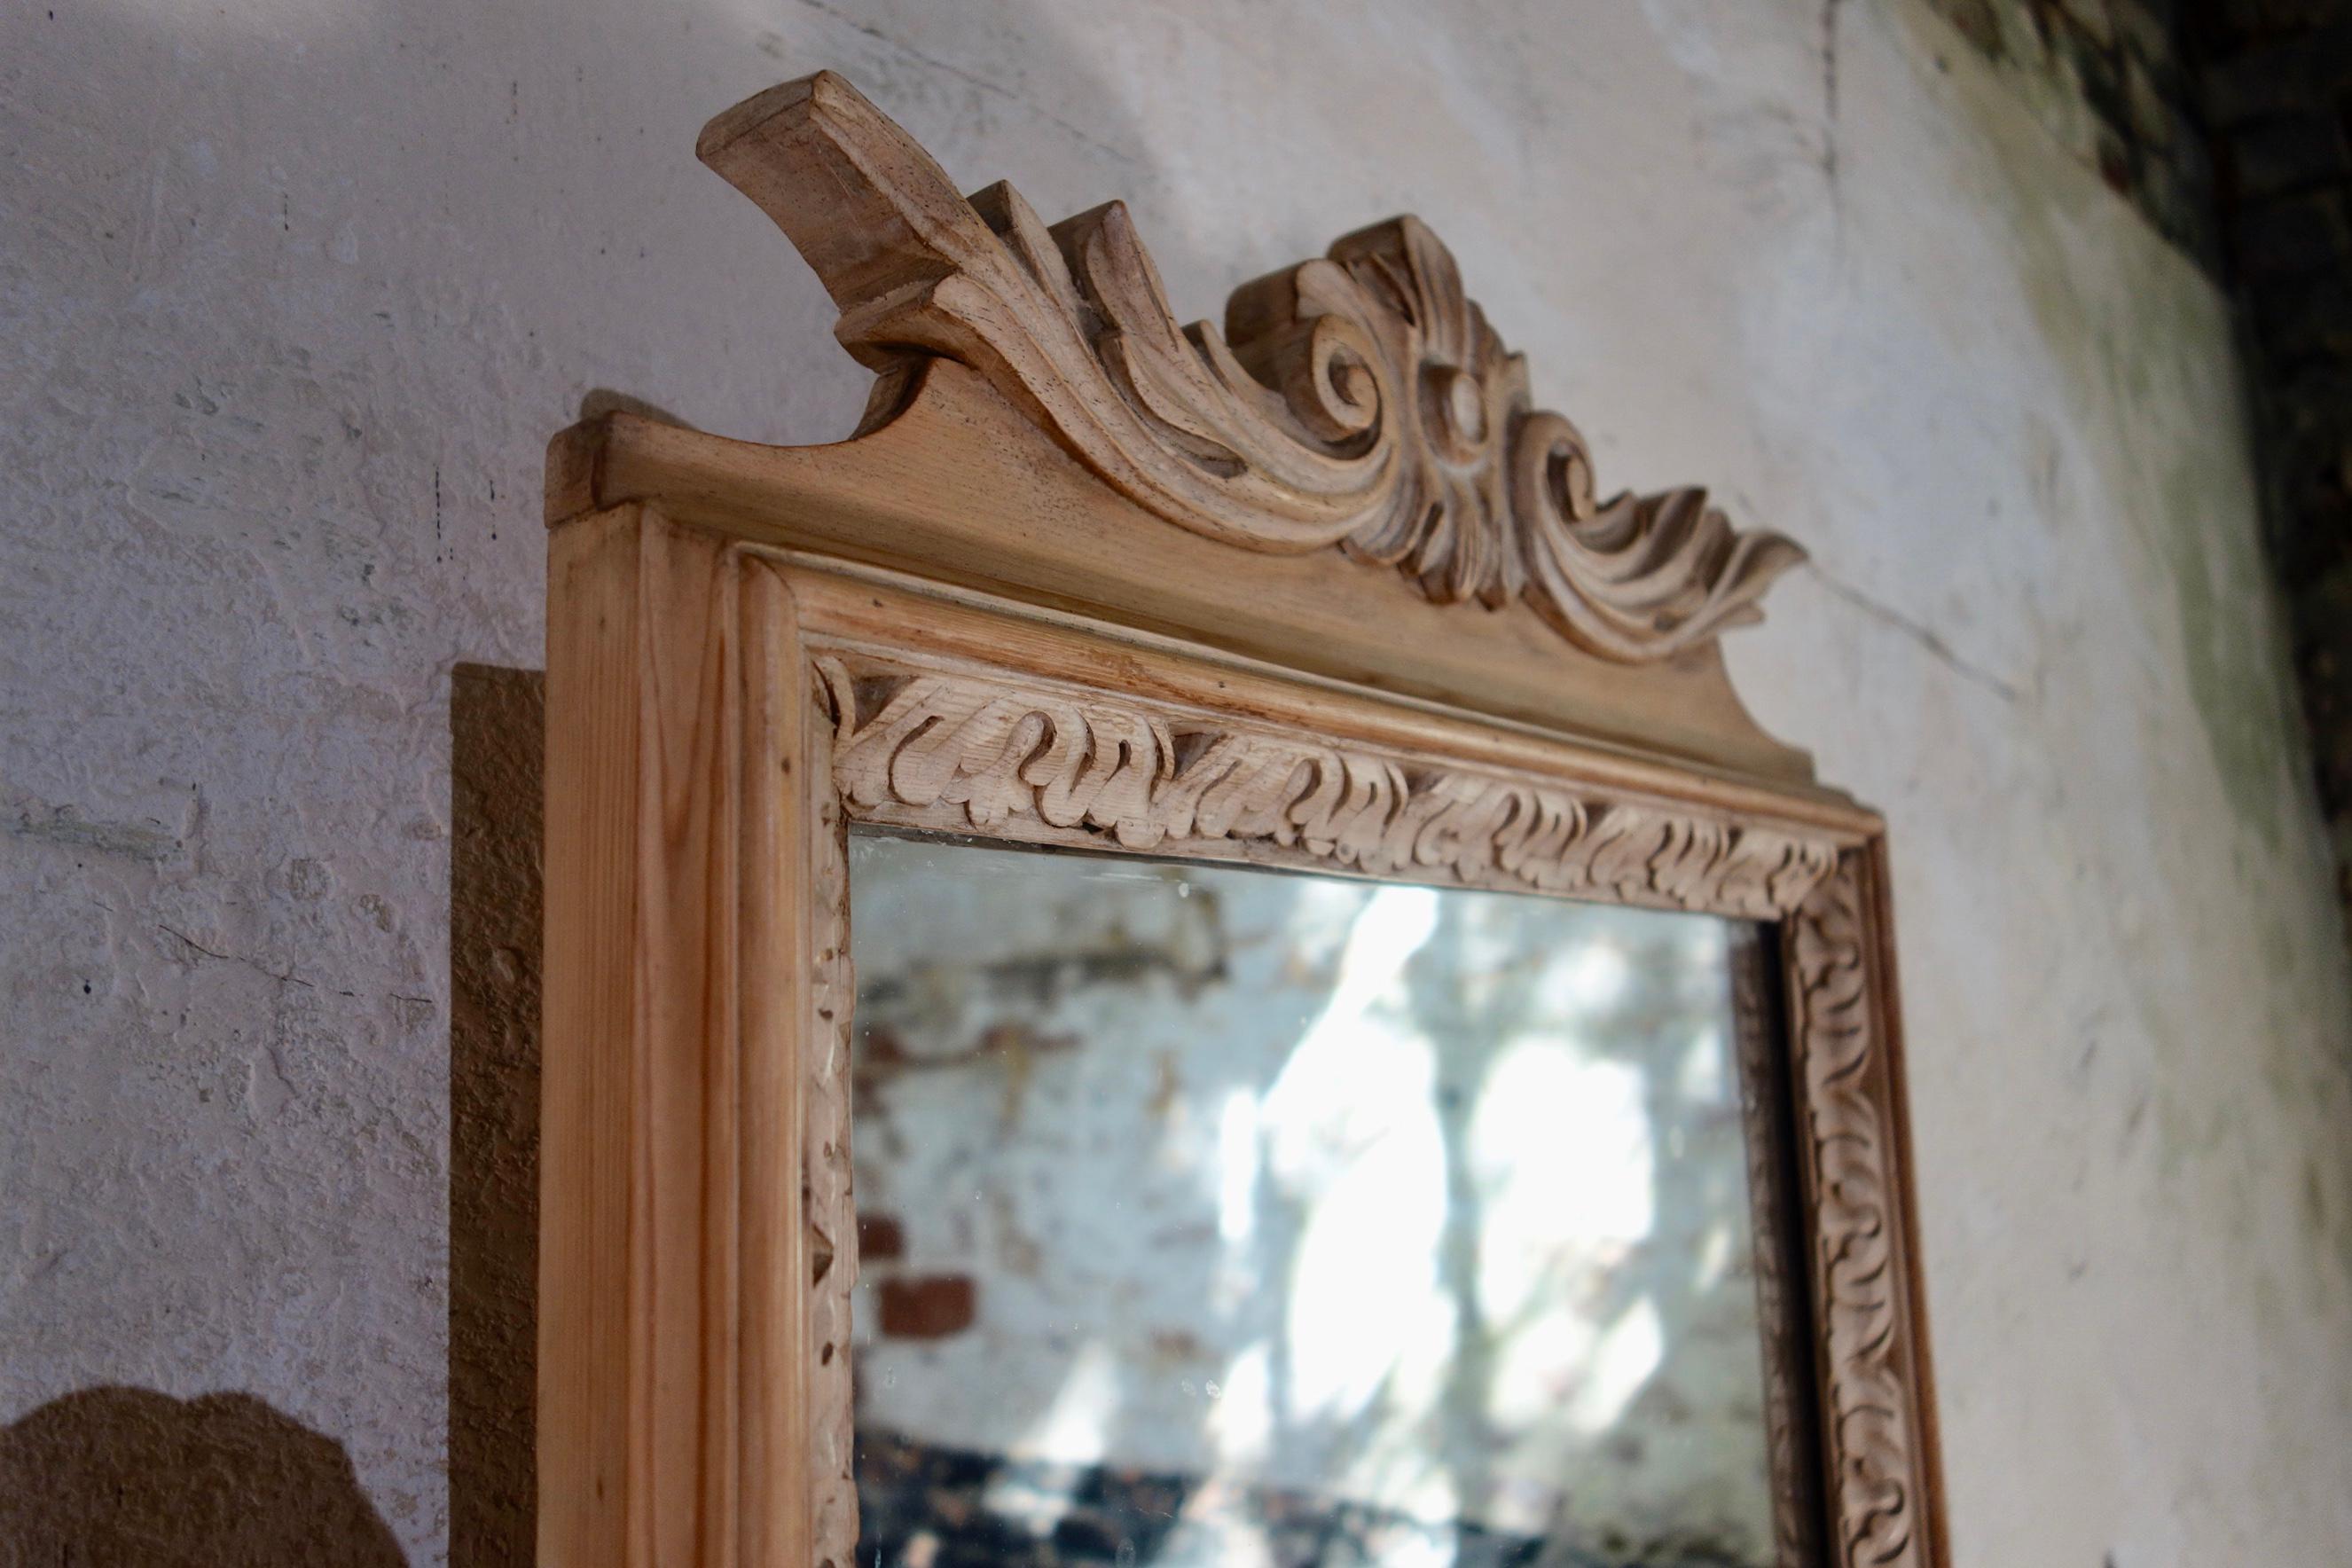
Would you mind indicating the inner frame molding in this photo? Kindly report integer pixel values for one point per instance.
(962, 621)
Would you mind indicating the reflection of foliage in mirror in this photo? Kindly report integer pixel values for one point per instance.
(1212, 1215)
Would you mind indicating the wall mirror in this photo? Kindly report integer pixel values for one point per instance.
(1213, 1215)
(1182, 954)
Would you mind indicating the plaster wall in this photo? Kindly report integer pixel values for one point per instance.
(291, 292)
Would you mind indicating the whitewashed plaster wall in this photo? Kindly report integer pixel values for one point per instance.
(291, 291)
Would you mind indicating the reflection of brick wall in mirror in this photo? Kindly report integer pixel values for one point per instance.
(1267, 1209)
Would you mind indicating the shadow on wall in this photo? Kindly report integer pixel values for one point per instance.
(497, 733)
(127, 1477)
(385, 359)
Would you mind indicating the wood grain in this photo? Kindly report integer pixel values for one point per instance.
(685, 937)
(1358, 401)
(958, 488)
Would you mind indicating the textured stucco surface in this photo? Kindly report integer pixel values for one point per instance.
(291, 291)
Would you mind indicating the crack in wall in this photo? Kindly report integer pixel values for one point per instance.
(1926, 637)
(1830, 109)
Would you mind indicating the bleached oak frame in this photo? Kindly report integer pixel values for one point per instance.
(1322, 590)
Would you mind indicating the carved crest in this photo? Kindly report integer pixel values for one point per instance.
(1358, 400)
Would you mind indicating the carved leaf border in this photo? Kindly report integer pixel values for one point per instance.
(1877, 1464)
(1001, 753)
(979, 748)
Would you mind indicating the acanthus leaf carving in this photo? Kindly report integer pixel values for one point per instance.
(1874, 1484)
(1357, 400)
(987, 748)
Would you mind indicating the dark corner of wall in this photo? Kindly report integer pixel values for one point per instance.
(2228, 125)
(2274, 95)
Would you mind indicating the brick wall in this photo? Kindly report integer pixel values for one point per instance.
(2108, 78)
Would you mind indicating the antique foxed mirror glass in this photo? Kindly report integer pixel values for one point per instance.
(1182, 954)
(1212, 1214)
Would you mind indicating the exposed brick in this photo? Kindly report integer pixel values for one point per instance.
(2309, 319)
(2094, 17)
(2271, 157)
(2146, 28)
(2312, 550)
(2153, 118)
(879, 1238)
(2328, 56)
(2115, 161)
(929, 1307)
(2277, 102)
(2179, 202)
(1975, 20)
(2293, 236)
(2315, 398)
(2269, 79)
(2098, 76)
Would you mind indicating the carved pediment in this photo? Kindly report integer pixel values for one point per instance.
(1359, 400)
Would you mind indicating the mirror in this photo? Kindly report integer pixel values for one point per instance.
(1210, 1215)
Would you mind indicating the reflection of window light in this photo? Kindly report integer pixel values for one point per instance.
(1714, 1254)
(1365, 1272)
(1624, 1360)
(1358, 1148)
(1241, 1423)
(1392, 925)
(1589, 979)
(1071, 1431)
(1536, 1364)
(1414, 1479)
(1702, 1072)
(1323, 919)
(1424, 1551)
(1561, 1152)
(1237, 1168)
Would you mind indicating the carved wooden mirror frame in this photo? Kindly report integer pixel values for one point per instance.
(1320, 590)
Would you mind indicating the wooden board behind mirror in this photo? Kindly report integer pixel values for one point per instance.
(1521, 1149)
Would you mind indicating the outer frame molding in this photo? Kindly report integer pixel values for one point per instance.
(748, 648)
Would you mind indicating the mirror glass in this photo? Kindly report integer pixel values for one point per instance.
(1213, 1215)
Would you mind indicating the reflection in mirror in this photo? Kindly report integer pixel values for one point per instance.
(1215, 1215)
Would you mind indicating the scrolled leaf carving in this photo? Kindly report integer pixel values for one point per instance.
(984, 749)
(1358, 400)
(1875, 1483)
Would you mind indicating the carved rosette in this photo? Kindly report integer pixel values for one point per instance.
(1876, 1487)
(979, 749)
(1359, 400)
